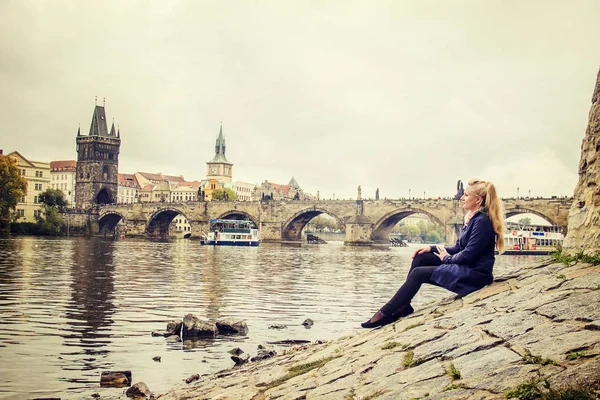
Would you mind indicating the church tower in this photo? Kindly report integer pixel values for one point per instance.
(219, 168)
(96, 180)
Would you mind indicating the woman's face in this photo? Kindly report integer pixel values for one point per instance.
(470, 200)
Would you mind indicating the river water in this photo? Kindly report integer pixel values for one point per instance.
(72, 308)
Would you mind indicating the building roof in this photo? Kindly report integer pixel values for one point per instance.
(220, 149)
(64, 165)
(98, 126)
(30, 163)
(160, 177)
(127, 180)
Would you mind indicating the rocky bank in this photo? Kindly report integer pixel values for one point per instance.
(542, 322)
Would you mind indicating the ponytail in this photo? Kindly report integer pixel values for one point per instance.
(492, 206)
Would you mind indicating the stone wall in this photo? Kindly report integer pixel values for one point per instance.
(584, 216)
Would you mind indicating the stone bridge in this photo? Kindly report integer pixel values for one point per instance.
(365, 222)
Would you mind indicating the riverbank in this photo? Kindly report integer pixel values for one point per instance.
(539, 324)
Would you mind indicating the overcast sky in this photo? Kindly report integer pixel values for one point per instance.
(394, 95)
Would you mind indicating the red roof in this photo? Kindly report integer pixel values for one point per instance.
(161, 177)
(127, 180)
(281, 188)
(66, 165)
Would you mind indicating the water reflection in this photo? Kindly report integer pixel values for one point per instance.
(88, 315)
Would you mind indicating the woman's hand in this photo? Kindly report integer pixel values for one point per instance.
(422, 250)
(441, 252)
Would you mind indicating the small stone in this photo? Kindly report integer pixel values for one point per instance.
(156, 358)
(277, 326)
(308, 323)
(115, 378)
(241, 359)
(138, 390)
(192, 378)
(232, 326)
(236, 351)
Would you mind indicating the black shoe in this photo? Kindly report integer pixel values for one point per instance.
(404, 311)
(380, 322)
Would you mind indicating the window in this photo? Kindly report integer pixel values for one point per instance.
(38, 186)
(22, 199)
(23, 172)
(20, 212)
(37, 213)
(39, 174)
(35, 200)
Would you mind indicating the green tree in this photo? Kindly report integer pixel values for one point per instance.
(432, 237)
(53, 198)
(525, 221)
(12, 187)
(219, 194)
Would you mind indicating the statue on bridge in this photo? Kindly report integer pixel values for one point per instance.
(359, 196)
(460, 190)
(377, 194)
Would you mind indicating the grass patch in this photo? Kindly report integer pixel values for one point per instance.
(576, 355)
(454, 386)
(410, 360)
(531, 359)
(539, 388)
(412, 326)
(391, 345)
(561, 277)
(300, 369)
(453, 372)
(560, 256)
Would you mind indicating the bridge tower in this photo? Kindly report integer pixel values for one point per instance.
(219, 167)
(96, 180)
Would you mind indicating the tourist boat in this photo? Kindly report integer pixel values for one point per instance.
(231, 232)
(532, 239)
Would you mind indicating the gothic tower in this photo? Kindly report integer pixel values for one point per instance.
(97, 163)
(219, 168)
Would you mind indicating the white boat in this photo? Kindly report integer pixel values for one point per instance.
(532, 239)
(231, 232)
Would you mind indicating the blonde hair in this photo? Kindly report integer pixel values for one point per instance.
(491, 204)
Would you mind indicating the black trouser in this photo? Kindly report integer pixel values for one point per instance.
(420, 272)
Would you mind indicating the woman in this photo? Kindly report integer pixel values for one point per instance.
(463, 268)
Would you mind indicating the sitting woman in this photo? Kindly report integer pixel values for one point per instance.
(463, 268)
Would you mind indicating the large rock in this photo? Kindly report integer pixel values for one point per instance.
(232, 326)
(138, 391)
(584, 216)
(195, 327)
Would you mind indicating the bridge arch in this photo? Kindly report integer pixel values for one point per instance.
(385, 224)
(159, 222)
(239, 215)
(108, 221)
(520, 210)
(292, 228)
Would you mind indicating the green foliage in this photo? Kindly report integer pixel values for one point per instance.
(454, 386)
(375, 395)
(300, 369)
(539, 388)
(410, 360)
(453, 372)
(12, 187)
(413, 326)
(318, 224)
(391, 345)
(525, 221)
(575, 355)
(561, 277)
(219, 194)
(53, 198)
(562, 257)
(529, 358)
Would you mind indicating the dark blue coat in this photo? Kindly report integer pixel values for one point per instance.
(469, 266)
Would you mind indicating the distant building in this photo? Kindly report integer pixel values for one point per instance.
(244, 190)
(128, 189)
(219, 168)
(97, 163)
(276, 191)
(63, 178)
(37, 175)
(185, 191)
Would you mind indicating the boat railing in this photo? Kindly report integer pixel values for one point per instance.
(236, 230)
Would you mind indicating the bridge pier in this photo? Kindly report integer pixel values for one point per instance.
(358, 231)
